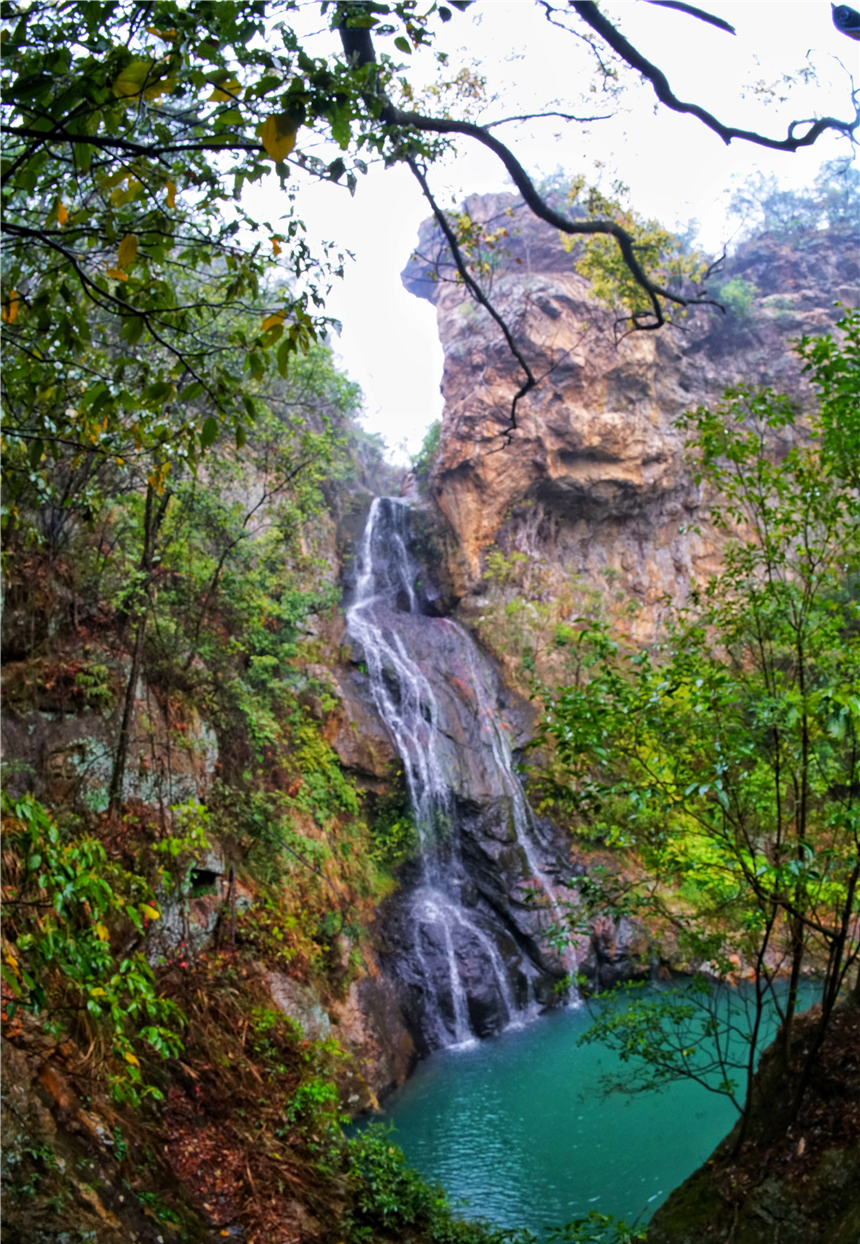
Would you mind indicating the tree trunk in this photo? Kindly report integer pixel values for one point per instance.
(153, 516)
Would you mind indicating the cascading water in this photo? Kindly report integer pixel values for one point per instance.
(463, 944)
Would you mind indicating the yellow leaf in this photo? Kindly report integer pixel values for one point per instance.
(98, 993)
(151, 913)
(226, 91)
(117, 274)
(102, 933)
(127, 252)
(272, 321)
(125, 195)
(130, 1058)
(278, 135)
(11, 307)
(171, 194)
(276, 248)
(142, 77)
(163, 87)
(62, 212)
(114, 178)
(130, 81)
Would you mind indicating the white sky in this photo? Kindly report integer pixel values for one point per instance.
(675, 167)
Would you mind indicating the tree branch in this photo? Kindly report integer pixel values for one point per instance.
(591, 14)
(477, 293)
(361, 51)
(539, 116)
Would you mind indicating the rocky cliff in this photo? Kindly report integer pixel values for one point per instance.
(593, 478)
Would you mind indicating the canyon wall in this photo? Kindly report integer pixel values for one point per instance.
(593, 477)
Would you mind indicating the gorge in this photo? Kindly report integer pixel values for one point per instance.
(343, 726)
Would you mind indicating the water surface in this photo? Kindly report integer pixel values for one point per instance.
(518, 1129)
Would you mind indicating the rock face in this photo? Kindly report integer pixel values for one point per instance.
(794, 1185)
(462, 938)
(61, 721)
(593, 477)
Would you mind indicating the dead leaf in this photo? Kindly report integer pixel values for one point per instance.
(11, 307)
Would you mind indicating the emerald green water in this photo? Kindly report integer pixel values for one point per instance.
(518, 1130)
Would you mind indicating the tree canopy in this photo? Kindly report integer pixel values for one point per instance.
(725, 760)
(139, 292)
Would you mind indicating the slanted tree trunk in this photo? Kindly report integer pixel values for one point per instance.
(138, 608)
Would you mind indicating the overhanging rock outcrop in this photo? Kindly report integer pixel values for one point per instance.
(593, 478)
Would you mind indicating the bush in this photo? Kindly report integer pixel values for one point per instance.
(737, 296)
(424, 461)
(390, 1194)
(66, 903)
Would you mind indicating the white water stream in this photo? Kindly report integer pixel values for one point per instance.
(384, 612)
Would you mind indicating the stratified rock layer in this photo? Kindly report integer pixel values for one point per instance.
(593, 477)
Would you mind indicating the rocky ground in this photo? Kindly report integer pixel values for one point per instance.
(800, 1186)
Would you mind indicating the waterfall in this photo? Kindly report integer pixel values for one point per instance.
(455, 969)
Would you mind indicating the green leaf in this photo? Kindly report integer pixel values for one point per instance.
(209, 432)
(132, 329)
(403, 45)
(11, 980)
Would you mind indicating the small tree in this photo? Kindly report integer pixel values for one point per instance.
(726, 759)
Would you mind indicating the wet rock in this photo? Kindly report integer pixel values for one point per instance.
(64, 745)
(301, 1003)
(369, 1023)
(617, 953)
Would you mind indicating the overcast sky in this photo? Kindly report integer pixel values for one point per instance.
(675, 167)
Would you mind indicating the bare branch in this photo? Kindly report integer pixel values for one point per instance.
(477, 293)
(539, 116)
(694, 12)
(591, 14)
(360, 50)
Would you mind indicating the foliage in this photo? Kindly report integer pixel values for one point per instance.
(835, 365)
(737, 296)
(392, 826)
(390, 1195)
(727, 756)
(128, 138)
(481, 246)
(424, 461)
(832, 201)
(670, 260)
(596, 1228)
(66, 907)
